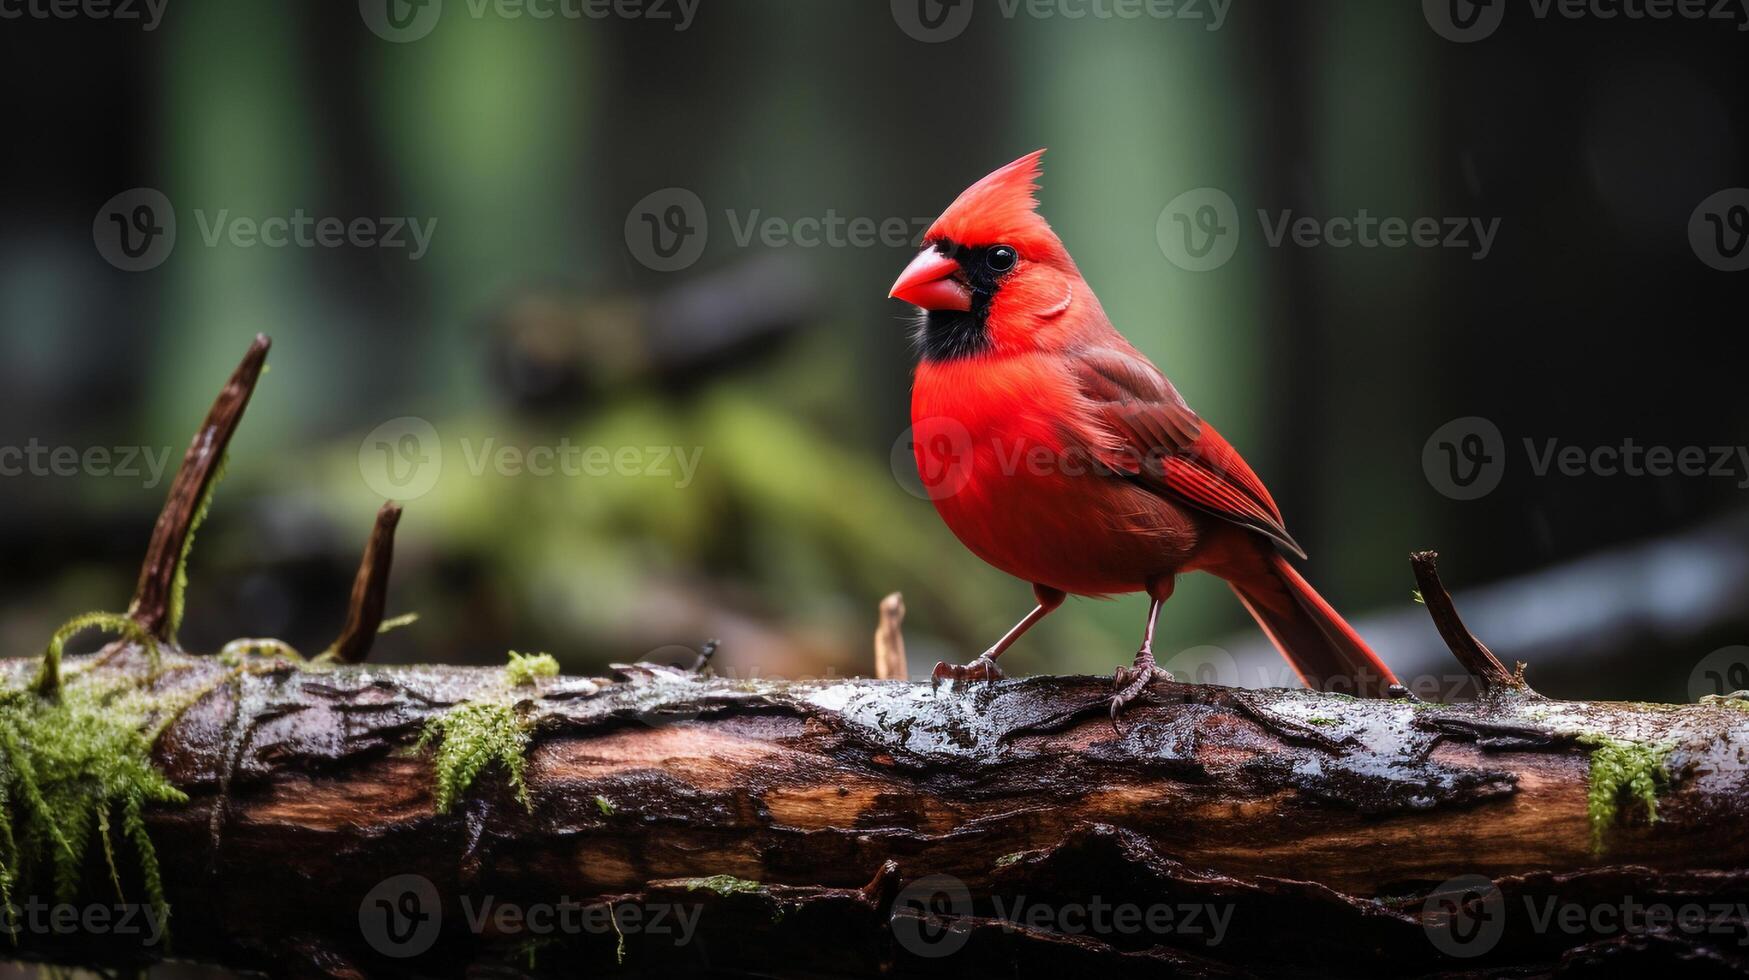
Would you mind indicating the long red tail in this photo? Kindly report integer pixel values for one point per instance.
(1325, 651)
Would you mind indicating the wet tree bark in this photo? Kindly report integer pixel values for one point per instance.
(875, 827)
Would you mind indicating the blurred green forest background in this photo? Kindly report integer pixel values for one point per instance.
(529, 321)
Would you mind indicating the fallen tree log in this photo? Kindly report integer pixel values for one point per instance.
(1263, 830)
(343, 819)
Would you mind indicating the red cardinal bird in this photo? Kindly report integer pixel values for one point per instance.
(1058, 453)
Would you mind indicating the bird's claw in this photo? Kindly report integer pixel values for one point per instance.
(983, 668)
(1128, 683)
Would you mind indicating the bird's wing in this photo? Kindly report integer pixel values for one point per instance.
(1142, 428)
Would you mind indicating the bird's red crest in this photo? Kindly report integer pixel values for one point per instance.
(1000, 208)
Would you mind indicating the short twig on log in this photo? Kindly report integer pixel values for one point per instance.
(370, 589)
(1489, 672)
(889, 640)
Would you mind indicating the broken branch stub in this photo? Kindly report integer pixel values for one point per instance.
(370, 589)
(156, 594)
(889, 640)
(1487, 670)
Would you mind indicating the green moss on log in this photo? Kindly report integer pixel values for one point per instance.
(470, 737)
(76, 767)
(484, 731)
(525, 668)
(1621, 768)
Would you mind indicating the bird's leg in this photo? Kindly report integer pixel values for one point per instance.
(1128, 683)
(984, 667)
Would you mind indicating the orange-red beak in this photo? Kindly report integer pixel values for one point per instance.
(928, 282)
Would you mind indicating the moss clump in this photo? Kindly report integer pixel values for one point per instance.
(475, 734)
(724, 885)
(1635, 768)
(524, 668)
(470, 737)
(69, 764)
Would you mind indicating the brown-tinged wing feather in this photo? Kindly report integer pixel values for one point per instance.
(1147, 432)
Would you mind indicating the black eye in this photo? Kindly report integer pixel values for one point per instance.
(1001, 258)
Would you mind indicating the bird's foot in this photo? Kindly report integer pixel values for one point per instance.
(1128, 683)
(982, 669)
